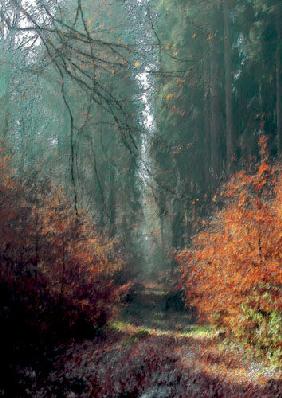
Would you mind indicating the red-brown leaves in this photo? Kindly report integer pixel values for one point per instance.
(51, 260)
(240, 253)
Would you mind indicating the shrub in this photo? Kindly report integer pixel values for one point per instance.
(57, 275)
(232, 273)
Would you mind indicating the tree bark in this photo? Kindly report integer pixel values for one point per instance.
(206, 124)
(279, 77)
(228, 87)
(112, 204)
(215, 125)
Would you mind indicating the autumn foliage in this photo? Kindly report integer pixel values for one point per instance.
(233, 271)
(57, 275)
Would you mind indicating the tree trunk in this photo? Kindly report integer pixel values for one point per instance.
(228, 88)
(206, 107)
(177, 212)
(112, 205)
(162, 215)
(279, 78)
(215, 125)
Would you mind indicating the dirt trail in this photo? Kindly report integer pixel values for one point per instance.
(149, 352)
(154, 308)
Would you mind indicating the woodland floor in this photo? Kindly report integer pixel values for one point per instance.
(152, 353)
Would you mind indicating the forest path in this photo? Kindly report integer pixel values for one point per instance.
(154, 309)
(149, 352)
(194, 351)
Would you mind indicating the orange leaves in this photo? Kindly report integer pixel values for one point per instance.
(263, 145)
(239, 251)
(264, 167)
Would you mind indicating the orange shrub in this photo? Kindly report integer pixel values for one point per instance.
(233, 271)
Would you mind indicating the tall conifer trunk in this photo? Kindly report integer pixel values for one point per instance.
(279, 76)
(228, 87)
(206, 105)
(215, 127)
